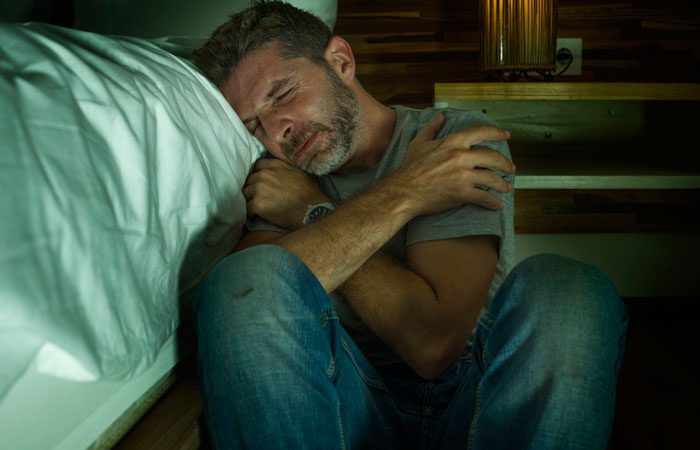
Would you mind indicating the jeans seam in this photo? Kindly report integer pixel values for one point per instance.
(342, 431)
(326, 315)
(486, 321)
(487, 358)
(477, 410)
(331, 369)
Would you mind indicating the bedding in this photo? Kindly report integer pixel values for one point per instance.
(121, 170)
(155, 18)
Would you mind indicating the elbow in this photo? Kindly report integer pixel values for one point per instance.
(433, 361)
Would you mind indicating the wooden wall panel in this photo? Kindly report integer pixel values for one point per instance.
(607, 211)
(403, 47)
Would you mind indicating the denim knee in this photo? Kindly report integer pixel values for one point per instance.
(264, 270)
(572, 310)
(252, 294)
(548, 354)
(561, 285)
(266, 352)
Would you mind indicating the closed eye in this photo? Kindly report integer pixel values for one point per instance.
(286, 93)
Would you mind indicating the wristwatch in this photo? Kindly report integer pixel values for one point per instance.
(315, 212)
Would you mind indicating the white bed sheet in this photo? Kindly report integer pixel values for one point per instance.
(41, 411)
(121, 170)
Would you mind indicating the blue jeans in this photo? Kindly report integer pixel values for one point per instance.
(277, 370)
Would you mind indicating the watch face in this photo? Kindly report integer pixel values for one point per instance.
(318, 212)
(315, 212)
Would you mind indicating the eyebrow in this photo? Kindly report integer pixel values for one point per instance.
(276, 87)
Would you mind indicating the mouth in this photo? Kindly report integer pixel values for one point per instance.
(306, 146)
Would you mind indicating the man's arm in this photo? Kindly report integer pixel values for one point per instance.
(424, 311)
(436, 175)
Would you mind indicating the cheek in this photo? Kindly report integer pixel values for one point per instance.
(307, 106)
(275, 150)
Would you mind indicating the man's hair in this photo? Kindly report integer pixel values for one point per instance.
(299, 33)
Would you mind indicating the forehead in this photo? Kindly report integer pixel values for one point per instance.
(256, 76)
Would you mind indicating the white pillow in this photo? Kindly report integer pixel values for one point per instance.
(121, 170)
(157, 18)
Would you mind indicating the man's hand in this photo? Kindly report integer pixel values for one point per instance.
(280, 193)
(442, 174)
(435, 176)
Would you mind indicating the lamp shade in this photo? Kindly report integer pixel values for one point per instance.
(518, 34)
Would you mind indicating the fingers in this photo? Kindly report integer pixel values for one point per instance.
(248, 191)
(478, 134)
(269, 163)
(485, 199)
(489, 159)
(491, 180)
(428, 132)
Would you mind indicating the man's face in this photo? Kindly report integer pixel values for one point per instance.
(302, 113)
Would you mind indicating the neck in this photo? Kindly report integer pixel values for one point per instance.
(373, 134)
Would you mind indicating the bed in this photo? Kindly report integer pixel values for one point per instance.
(121, 170)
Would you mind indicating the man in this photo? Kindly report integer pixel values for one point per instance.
(407, 225)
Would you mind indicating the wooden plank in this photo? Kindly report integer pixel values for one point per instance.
(595, 144)
(540, 211)
(173, 422)
(136, 411)
(402, 14)
(557, 123)
(600, 11)
(566, 91)
(353, 25)
(427, 58)
(375, 73)
(607, 166)
(440, 8)
(607, 182)
(364, 48)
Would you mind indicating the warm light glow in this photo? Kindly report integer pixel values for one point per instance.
(518, 34)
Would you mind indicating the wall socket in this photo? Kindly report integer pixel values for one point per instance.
(575, 45)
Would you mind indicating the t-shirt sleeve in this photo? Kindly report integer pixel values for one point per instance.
(257, 223)
(467, 220)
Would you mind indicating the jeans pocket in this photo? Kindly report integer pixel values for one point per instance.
(363, 367)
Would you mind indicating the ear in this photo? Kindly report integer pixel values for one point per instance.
(339, 56)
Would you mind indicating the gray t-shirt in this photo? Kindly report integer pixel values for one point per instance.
(466, 220)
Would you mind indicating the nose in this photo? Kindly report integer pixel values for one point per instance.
(278, 126)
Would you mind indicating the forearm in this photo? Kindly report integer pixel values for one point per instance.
(434, 176)
(404, 310)
(337, 245)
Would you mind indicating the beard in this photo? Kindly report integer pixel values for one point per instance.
(342, 109)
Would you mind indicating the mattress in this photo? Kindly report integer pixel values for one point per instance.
(121, 169)
(42, 411)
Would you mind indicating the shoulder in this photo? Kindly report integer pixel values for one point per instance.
(458, 120)
(455, 119)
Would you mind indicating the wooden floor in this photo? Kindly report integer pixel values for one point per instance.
(657, 400)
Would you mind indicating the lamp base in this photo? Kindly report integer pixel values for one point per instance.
(517, 75)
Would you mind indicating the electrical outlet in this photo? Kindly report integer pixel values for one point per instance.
(575, 46)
